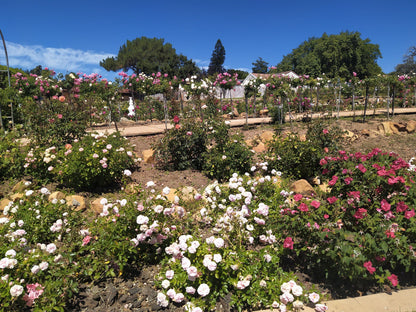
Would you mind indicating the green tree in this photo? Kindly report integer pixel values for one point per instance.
(409, 63)
(150, 55)
(335, 55)
(217, 59)
(37, 70)
(241, 73)
(260, 66)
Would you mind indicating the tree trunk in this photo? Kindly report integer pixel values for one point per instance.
(376, 103)
(388, 101)
(246, 98)
(392, 102)
(365, 102)
(353, 103)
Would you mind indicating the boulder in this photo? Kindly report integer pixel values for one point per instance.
(264, 112)
(365, 132)
(266, 136)
(132, 188)
(411, 126)
(13, 197)
(148, 156)
(188, 193)
(235, 112)
(399, 126)
(171, 196)
(302, 187)
(96, 205)
(76, 202)
(56, 195)
(250, 142)
(3, 203)
(324, 187)
(21, 186)
(384, 128)
(260, 148)
(302, 137)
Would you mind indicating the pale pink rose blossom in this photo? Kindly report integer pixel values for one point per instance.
(169, 274)
(203, 290)
(314, 297)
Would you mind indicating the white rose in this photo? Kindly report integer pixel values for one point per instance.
(203, 290)
(16, 290)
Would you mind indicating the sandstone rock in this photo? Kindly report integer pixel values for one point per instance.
(243, 115)
(132, 188)
(56, 195)
(96, 205)
(13, 197)
(235, 112)
(302, 187)
(411, 126)
(324, 187)
(302, 137)
(384, 128)
(250, 142)
(76, 202)
(3, 203)
(267, 136)
(20, 186)
(171, 196)
(264, 112)
(365, 132)
(260, 148)
(188, 193)
(399, 126)
(226, 116)
(148, 156)
(393, 128)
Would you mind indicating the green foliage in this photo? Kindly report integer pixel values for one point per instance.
(241, 73)
(232, 156)
(11, 155)
(39, 236)
(295, 158)
(217, 59)
(94, 162)
(260, 66)
(299, 159)
(182, 146)
(408, 67)
(150, 55)
(335, 55)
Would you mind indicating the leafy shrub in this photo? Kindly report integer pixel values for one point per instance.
(36, 240)
(325, 137)
(53, 123)
(299, 159)
(227, 158)
(11, 155)
(295, 158)
(96, 161)
(182, 147)
(363, 230)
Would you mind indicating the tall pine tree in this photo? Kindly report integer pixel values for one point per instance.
(217, 59)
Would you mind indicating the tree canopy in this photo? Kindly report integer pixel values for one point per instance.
(335, 55)
(409, 63)
(260, 66)
(150, 55)
(217, 59)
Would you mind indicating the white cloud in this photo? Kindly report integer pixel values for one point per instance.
(59, 59)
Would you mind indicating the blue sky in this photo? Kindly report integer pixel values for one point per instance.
(75, 35)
